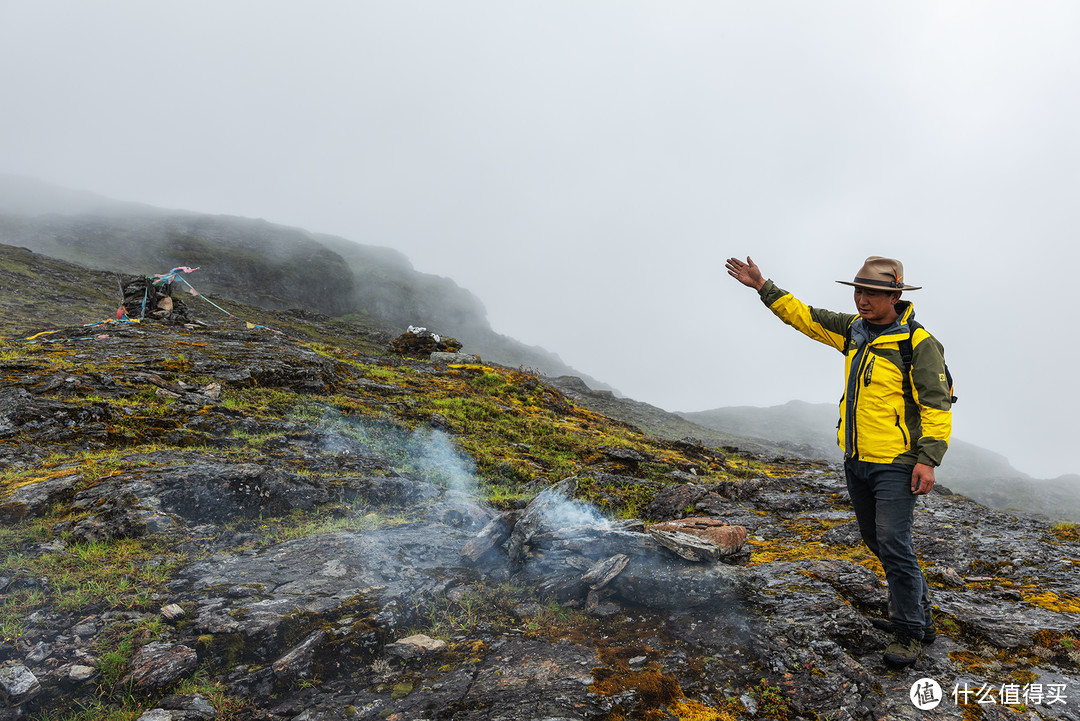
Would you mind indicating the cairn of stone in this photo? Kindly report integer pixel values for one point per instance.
(144, 299)
(421, 343)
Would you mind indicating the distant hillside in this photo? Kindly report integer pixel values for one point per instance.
(809, 431)
(254, 261)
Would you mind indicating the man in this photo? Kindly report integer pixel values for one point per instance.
(894, 426)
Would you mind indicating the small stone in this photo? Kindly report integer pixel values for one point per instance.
(80, 674)
(413, 646)
(18, 685)
(172, 612)
(158, 665)
(213, 390)
(39, 653)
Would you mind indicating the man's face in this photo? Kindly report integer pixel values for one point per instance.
(876, 306)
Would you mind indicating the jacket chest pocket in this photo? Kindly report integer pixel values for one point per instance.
(868, 371)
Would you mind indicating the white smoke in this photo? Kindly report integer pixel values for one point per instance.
(570, 512)
(428, 454)
(437, 460)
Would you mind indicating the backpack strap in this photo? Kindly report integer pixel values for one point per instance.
(906, 352)
(905, 346)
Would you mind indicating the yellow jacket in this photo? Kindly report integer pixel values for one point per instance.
(886, 415)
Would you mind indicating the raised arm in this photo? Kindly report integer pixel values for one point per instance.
(824, 326)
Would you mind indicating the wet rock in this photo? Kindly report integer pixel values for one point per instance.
(188, 707)
(383, 490)
(846, 534)
(296, 663)
(207, 492)
(491, 536)
(1003, 623)
(18, 685)
(544, 511)
(51, 421)
(675, 502)
(114, 517)
(631, 457)
(384, 573)
(38, 653)
(602, 572)
(159, 665)
(35, 498)
(856, 583)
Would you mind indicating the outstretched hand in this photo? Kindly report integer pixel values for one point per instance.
(746, 273)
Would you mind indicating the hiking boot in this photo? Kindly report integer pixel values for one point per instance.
(904, 650)
(929, 631)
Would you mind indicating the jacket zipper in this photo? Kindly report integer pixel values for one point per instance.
(901, 429)
(853, 388)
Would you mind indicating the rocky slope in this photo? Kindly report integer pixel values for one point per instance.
(272, 517)
(256, 262)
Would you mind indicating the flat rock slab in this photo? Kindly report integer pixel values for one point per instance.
(521, 679)
(1005, 624)
(253, 592)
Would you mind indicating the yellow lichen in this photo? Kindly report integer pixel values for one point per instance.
(1051, 601)
(690, 710)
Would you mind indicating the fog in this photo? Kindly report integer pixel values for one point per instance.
(585, 168)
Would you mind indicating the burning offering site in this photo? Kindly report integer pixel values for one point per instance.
(271, 514)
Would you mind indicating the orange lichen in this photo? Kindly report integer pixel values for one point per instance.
(654, 689)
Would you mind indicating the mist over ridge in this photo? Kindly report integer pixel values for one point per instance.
(252, 260)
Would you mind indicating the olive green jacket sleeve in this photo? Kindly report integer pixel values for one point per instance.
(932, 395)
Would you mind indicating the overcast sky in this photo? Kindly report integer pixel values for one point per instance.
(585, 168)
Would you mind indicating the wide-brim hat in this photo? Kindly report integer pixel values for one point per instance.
(879, 273)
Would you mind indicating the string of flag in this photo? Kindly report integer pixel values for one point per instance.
(159, 279)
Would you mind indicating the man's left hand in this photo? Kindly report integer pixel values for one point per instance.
(922, 479)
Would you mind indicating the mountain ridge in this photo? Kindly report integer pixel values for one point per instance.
(253, 260)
